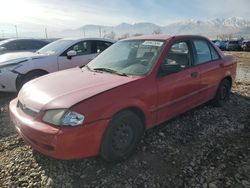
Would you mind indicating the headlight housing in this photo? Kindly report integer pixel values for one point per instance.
(63, 117)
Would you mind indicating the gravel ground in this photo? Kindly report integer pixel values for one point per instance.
(206, 147)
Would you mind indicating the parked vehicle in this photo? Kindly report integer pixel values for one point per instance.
(134, 85)
(221, 44)
(233, 45)
(18, 68)
(1, 39)
(21, 45)
(214, 41)
(246, 46)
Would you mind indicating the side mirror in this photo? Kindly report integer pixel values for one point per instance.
(169, 68)
(71, 53)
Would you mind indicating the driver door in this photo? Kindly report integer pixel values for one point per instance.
(84, 54)
(177, 91)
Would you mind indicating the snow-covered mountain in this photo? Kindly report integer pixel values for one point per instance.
(211, 28)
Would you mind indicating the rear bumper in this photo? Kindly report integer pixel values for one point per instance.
(60, 143)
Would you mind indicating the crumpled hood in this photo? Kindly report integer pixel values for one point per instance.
(66, 88)
(13, 58)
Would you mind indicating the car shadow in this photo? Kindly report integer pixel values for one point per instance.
(7, 127)
(164, 151)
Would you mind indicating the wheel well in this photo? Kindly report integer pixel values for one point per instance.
(21, 76)
(37, 70)
(229, 79)
(138, 112)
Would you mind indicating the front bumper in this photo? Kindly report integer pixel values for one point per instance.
(8, 81)
(60, 143)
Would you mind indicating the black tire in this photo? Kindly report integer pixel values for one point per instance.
(121, 136)
(29, 76)
(223, 93)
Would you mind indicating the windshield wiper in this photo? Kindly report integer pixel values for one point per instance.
(110, 71)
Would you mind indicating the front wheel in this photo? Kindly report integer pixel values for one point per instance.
(121, 136)
(222, 94)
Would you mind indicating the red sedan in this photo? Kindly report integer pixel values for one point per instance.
(134, 85)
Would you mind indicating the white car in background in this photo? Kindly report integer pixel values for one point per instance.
(18, 68)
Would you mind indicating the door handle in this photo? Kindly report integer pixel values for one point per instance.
(194, 74)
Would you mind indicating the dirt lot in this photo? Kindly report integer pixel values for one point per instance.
(206, 147)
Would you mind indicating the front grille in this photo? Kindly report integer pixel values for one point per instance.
(26, 109)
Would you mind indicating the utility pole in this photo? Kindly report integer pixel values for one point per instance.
(16, 31)
(46, 34)
(83, 30)
(100, 32)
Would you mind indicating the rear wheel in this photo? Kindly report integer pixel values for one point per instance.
(222, 94)
(121, 136)
(29, 76)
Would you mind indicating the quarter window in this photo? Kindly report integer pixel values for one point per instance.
(214, 54)
(202, 51)
(101, 46)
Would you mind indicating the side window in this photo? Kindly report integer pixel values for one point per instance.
(202, 51)
(179, 54)
(214, 54)
(24, 45)
(11, 45)
(101, 46)
(81, 48)
(33, 44)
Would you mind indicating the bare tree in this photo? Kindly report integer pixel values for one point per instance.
(124, 36)
(225, 36)
(137, 34)
(157, 31)
(110, 35)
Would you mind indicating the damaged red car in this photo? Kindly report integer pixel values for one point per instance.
(104, 107)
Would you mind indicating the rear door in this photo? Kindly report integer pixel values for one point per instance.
(177, 91)
(85, 53)
(210, 65)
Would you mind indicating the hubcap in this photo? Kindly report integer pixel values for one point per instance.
(122, 138)
(223, 93)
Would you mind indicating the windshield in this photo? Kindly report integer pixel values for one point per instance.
(55, 47)
(128, 57)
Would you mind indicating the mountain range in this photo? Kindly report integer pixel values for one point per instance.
(234, 26)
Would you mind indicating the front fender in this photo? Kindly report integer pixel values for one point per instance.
(130, 103)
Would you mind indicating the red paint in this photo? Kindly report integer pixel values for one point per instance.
(99, 96)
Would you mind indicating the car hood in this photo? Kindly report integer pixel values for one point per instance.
(65, 88)
(18, 57)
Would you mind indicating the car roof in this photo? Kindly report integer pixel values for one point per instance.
(87, 38)
(163, 37)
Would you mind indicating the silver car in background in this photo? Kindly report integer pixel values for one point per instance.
(21, 45)
(18, 68)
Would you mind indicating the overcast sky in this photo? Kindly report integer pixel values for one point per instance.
(64, 14)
